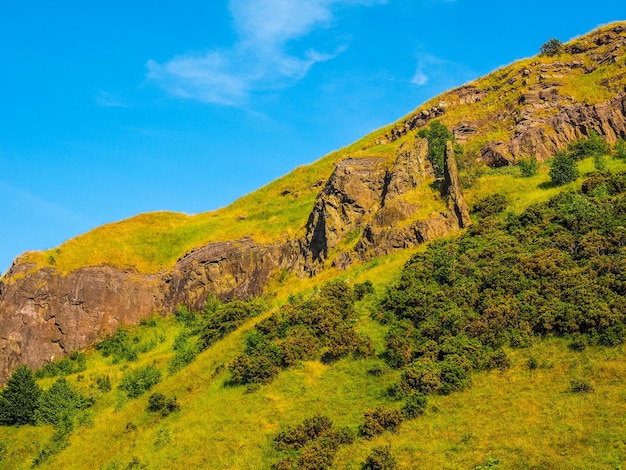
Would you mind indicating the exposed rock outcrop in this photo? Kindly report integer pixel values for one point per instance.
(44, 315)
(352, 193)
(453, 189)
(228, 270)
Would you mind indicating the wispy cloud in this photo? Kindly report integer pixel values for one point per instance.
(260, 59)
(109, 100)
(431, 69)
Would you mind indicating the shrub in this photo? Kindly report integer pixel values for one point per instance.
(599, 162)
(186, 317)
(120, 346)
(380, 459)
(380, 420)
(139, 381)
(619, 149)
(529, 166)
(103, 383)
(363, 289)
(227, 318)
(563, 170)
(296, 437)
(593, 146)
(551, 48)
(159, 403)
(421, 377)
(581, 386)
(186, 351)
(414, 406)
(490, 205)
(437, 135)
(60, 401)
(20, 398)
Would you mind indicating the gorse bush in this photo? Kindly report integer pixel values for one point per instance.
(139, 381)
(554, 269)
(380, 420)
(159, 403)
(593, 146)
(76, 362)
(563, 169)
(490, 205)
(120, 346)
(528, 166)
(315, 442)
(380, 459)
(551, 48)
(318, 327)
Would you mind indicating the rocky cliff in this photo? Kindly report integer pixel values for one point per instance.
(44, 314)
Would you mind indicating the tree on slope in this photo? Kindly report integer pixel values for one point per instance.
(563, 170)
(19, 399)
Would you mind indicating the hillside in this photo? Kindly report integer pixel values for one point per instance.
(442, 293)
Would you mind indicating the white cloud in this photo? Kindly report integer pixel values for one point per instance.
(419, 77)
(259, 60)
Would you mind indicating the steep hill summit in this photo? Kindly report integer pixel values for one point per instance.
(389, 191)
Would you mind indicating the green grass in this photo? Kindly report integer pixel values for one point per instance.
(523, 418)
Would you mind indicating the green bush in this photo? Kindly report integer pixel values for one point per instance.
(20, 398)
(186, 351)
(414, 406)
(581, 386)
(159, 403)
(528, 166)
(563, 169)
(139, 381)
(60, 401)
(437, 135)
(76, 362)
(362, 289)
(380, 420)
(103, 383)
(380, 459)
(120, 346)
(593, 146)
(296, 437)
(551, 48)
(619, 149)
(490, 205)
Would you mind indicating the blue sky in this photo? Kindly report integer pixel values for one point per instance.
(110, 109)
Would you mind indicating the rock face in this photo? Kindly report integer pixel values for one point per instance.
(546, 137)
(44, 315)
(228, 270)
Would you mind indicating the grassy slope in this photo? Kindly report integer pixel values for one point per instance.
(153, 242)
(522, 418)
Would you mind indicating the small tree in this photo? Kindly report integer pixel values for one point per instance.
(564, 169)
(619, 149)
(599, 162)
(437, 135)
(593, 146)
(529, 166)
(551, 48)
(19, 399)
